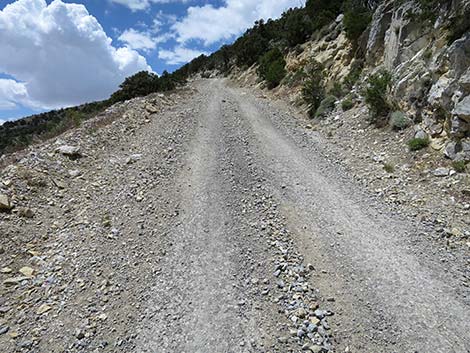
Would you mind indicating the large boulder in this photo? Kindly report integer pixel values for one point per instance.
(464, 82)
(378, 28)
(458, 56)
(458, 150)
(462, 109)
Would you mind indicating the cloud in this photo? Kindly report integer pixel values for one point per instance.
(142, 40)
(60, 54)
(11, 93)
(139, 5)
(134, 5)
(179, 55)
(137, 40)
(212, 24)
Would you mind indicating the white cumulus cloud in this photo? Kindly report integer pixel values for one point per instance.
(138, 5)
(60, 54)
(179, 55)
(212, 24)
(12, 93)
(137, 40)
(142, 40)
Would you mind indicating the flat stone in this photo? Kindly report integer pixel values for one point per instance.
(5, 203)
(27, 271)
(44, 308)
(314, 348)
(151, 108)
(314, 321)
(26, 212)
(441, 172)
(69, 151)
(74, 173)
(133, 158)
(14, 281)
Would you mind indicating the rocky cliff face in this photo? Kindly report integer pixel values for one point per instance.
(428, 55)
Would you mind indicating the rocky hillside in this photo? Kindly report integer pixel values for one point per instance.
(415, 152)
(424, 52)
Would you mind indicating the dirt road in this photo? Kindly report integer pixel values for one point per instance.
(233, 232)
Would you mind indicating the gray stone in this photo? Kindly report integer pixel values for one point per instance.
(315, 349)
(458, 127)
(465, 145)
(451, 150)
(320, 313)
(75, 173)
(69, 151)
(311, 327)
(79, 334)
(3, 329)
(133, 158)
(26, 212)
(421, 134)
(151, 108)
(15, 280)
(441, 172)
(438, 94)
(462, 109)
(26, 344)
(464, 81)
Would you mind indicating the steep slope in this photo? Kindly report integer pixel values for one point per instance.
(216, 224)
(432, 183)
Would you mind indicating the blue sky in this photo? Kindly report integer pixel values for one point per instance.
(66, 52)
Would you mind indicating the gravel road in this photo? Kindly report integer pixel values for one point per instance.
(230, 230)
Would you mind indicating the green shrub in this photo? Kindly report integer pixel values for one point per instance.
(292, 79)
(389, 168)
(459, 166)
(428, 10)
(458, 27)
(416, 144)
(376, 96)
(356, 19)
(399, 121)
(142, 84)
(272, 67)
(337, 90)
(427, 54)
(322, 12)
(354, 74)
(347, 104)
(313, 91)
(326, 106)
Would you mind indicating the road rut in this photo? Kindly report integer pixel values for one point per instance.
(388, 296)
(218, 225)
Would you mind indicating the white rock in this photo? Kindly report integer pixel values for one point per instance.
(441, 172)
(133, 158)
(462, 109)
(74, 173)
(70, 151)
